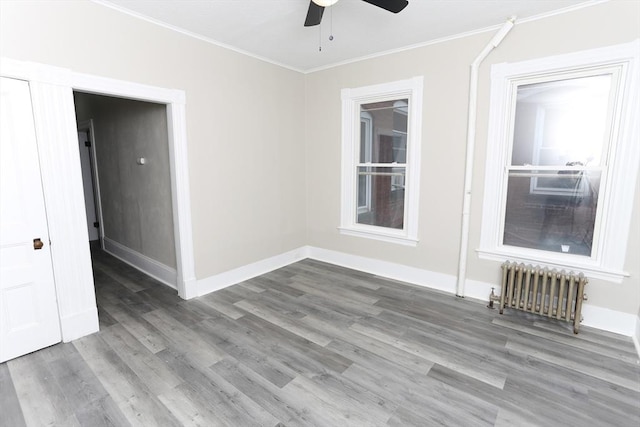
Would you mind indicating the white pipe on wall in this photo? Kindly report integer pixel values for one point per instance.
(471, 142)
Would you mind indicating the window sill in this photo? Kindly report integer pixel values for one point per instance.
(384, 237)
(568, 262)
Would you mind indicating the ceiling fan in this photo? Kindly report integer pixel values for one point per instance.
(316, 8)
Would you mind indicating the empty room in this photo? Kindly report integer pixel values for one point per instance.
(319, 213)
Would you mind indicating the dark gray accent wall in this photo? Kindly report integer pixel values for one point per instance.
(136, 199)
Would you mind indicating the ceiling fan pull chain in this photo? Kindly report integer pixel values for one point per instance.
(320, 38)
(330, 24)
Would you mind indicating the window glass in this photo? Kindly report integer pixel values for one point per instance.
(384, 131)
(561, 122)
(552, 221)
(383, 140)
(384, 188)
(561, 127)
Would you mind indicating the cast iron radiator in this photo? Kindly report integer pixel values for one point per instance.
(551, 293)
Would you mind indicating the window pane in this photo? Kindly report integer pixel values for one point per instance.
(364, 194)
(552, 210)
(383, 131)
(562, 122)
(381, 196)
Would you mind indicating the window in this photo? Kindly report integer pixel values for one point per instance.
(380, 160)
(561, 154)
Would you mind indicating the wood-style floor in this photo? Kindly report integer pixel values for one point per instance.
(316, 344)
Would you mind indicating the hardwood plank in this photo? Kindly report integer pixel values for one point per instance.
(284, 286)
(509, 403)
(347, 406)
(139, 406)
(273, 300)
(329, 286)
(434, 354)
(183, 339)
(447, 405)
(148, 368)
(339, 305)
(187, 411)
(283, 322)
(263, 392)
(507, 418)
(140, 328)
(403, 417)
(9, 401)
(41, 398)
(209, 390)
(240, 344)
(77, 381)
(120, 277)
(298, 353)
(222, 307)
(322, 411)
(589, 365)
(310, 308)
(103, 412)
(566, 341)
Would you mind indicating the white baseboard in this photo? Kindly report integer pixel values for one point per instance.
(609, 320)
(416, 276)
(237, 275)
(636, 336)
(151, 267)
(596, 317)
(78, 325)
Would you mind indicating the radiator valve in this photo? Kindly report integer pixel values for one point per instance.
(493, 297)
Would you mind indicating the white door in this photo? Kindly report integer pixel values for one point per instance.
(87, 183)
(28, 309)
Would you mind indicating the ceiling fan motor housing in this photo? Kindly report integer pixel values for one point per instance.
(316, 8)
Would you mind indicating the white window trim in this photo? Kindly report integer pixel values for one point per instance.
(368, 120)
(410, 89)
(607, 263)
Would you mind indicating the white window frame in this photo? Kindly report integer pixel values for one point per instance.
(352, 99)
(368, 126)
(617, 194)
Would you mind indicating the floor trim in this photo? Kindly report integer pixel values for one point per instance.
(240, 274)
(151, 267)
(636, 336)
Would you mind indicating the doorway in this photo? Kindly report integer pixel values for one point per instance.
(174, 104)
(124, 152)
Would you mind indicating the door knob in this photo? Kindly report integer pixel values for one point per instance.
(37, 244)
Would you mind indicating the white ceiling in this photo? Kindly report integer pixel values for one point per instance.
(273, 29)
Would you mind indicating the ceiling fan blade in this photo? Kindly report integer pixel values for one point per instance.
(394, 6)
(314, 15)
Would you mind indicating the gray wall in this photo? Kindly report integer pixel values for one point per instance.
(136, 199)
